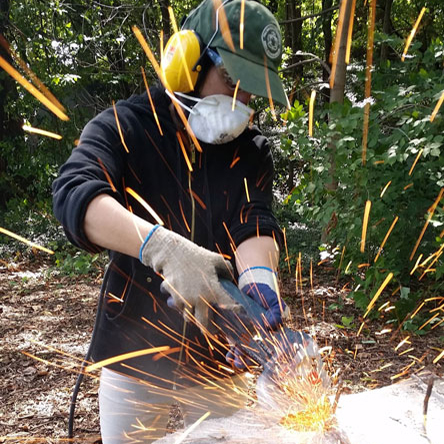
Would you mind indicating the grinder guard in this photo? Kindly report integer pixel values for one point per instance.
(293, 374)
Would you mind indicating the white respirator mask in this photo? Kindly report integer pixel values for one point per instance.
(213, 119)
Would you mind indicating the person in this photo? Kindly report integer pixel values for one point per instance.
(179, 204)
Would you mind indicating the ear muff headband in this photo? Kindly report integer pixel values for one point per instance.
(180, 59)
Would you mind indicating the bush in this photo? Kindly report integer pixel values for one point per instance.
(400, 134)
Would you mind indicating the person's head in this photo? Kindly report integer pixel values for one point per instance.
(238, 41)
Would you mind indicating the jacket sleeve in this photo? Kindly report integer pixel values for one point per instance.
(255, 215)
(94, 167)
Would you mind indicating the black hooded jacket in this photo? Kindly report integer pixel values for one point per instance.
(231, 185)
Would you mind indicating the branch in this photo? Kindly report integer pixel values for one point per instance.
(305, 17)
(314, 58)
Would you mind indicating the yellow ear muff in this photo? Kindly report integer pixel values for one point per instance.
(180, 56)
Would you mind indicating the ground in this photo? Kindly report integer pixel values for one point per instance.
(47, 320)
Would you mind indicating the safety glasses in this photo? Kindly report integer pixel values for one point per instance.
(218, 63)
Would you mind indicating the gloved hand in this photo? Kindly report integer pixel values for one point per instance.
(236, 358)
(191, 273)
(260, 284)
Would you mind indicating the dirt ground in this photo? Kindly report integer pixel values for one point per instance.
(46, 321)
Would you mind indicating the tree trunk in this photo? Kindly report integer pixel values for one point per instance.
(328, 39)
(164, 4)
(293, 36)
(337, 92)
(386, 28)
(9, 127)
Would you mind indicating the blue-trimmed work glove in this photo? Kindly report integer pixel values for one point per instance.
(261, 285)
(191, 274)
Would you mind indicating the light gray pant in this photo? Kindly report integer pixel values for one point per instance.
(132, 410)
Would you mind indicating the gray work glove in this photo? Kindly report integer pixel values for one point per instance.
(191, 273)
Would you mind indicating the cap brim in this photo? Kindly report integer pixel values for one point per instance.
(253, 78)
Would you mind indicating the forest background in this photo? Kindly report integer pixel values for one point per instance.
(367, 200)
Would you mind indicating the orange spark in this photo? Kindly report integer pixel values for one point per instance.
(184, 218)
(412, 34)
(119, 128)
(236, 89)
(151, 101)
(335, 48)
(363, 265)
(267, 83)
(436, 253)
(408, 186)
(437, 106)
(31, 129)
(299, 267)
(108, 177)
(350, 32)
(311, 275)
(406, 351)
(417, 264)
(246, 189)
(228, 233)
(31, 74)
(114, 297)
(438, 324)
(52, 364)
(33, 439)
(386, 237)
(429, 218)
(416, 160)
(198, 199)
(182, 52)
(311, 111)
(235, 160)
(241, 25)
(368, 78)
(378, 293)
(287, 258)
(403, 372)
(159, 73)
(61, 352)
(340, 263)
(365, 132)
(25, 241)
(437, 308)
(438, 357)
(384, 305)
(223, 23)
(368, 206)
(360, 329)
(144, 205)
(184, 151)
(123, 357)
(385, 188)
(428, 322)
(192, 427)
(429, 268)
(32, 89)
(417, 310)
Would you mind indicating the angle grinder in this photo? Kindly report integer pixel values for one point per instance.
(293, 376)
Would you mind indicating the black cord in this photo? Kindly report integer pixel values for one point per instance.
(79, 381)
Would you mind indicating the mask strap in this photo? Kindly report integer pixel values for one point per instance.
(173, 97)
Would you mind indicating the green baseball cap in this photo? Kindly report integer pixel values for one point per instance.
(256, 63)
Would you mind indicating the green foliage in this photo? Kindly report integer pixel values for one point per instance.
(400, 132)
(70, 263)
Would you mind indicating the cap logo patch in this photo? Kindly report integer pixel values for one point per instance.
(271, 41)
